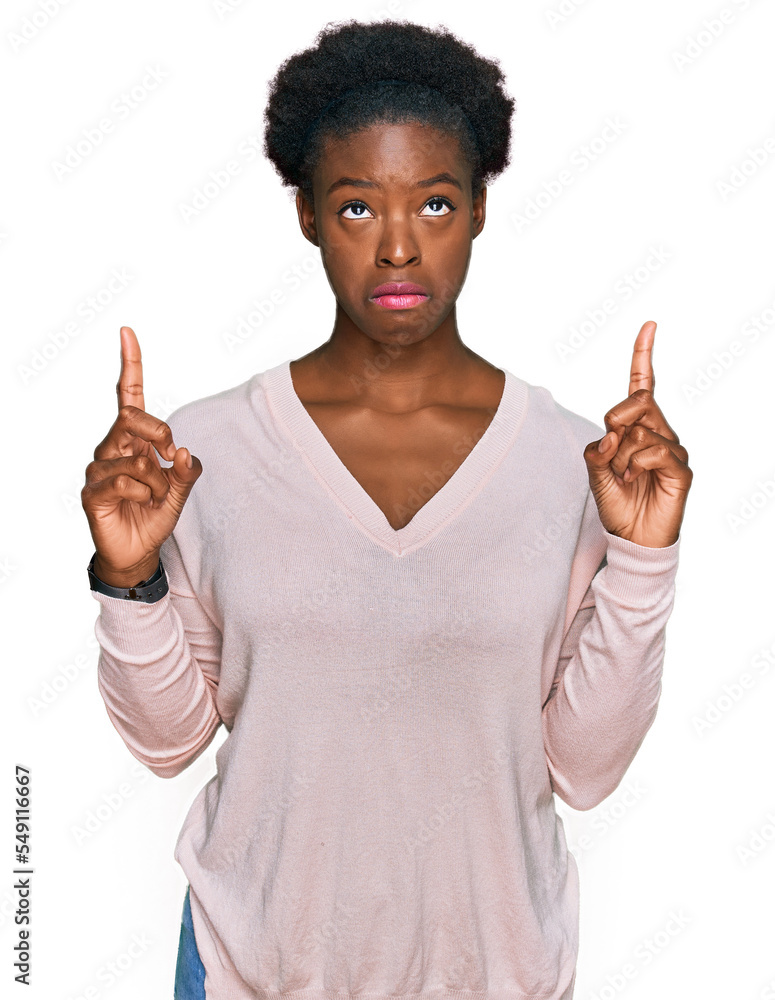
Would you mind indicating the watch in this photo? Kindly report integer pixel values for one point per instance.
(148, 591)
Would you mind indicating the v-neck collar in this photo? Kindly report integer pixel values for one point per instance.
(472, 474)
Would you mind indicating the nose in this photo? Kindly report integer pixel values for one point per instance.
(398, 244)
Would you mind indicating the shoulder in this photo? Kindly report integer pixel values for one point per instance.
(228, 409)
(235, 417)
(202, 411)
(565, 434)
(560, 422)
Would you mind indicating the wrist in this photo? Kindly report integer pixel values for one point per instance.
(126, 578)
(149, 590)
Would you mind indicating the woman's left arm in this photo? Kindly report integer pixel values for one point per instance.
(605, 694)
(608, 682)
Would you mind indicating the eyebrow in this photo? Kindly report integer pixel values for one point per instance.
(443, 178)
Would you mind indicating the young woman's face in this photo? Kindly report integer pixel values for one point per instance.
(376, 221)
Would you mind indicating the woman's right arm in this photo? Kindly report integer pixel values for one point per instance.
(159, 662)
(158, 671)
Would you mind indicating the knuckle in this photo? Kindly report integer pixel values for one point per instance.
(141, 463)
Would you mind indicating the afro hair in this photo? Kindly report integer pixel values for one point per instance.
(332, 89)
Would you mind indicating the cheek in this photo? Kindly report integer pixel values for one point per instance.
(346, 277)
(343, 251)
(348, 261)
(449, 269)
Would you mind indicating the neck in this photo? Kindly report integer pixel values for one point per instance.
(405, 370)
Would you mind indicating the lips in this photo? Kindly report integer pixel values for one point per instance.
(399, 288)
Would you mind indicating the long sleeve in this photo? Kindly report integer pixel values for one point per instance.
(608, 682)
(158, 671)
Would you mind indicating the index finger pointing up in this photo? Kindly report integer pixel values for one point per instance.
(130, 382)
(641, 370)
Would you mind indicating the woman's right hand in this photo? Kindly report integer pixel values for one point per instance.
(132, 504)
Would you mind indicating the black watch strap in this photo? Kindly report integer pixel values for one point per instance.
(148, 591)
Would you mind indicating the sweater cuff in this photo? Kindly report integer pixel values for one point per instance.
(639, 575)
(131, 629)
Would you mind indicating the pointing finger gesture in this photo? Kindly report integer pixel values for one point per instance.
(131, 502)
(638, 470)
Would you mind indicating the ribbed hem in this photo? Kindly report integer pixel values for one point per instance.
(133, 629)
(639, 575)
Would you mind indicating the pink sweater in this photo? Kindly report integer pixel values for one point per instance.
(401, 706)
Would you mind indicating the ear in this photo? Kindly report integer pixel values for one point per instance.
(306, 214)
(479, 211)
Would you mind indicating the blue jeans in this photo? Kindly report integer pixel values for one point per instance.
(190, 973)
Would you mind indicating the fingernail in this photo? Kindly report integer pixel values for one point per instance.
(189, 460)
(603, 443)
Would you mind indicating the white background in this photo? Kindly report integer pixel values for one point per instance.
(691, 829)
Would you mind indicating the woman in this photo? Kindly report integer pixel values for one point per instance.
(416, 610)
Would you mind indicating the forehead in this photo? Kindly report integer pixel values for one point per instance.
(400, 153)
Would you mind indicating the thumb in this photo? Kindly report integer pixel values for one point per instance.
(598, 462)
(181, 476)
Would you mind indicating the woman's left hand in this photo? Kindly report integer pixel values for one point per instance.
(640, 481)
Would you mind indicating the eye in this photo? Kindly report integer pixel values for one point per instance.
(441, 201)
(353, 205)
